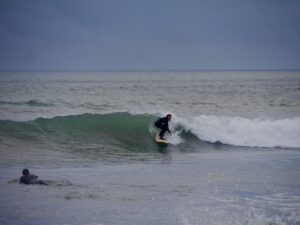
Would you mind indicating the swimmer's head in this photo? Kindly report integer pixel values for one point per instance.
(25, 172)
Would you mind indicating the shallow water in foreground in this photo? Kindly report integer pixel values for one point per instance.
(227, 187)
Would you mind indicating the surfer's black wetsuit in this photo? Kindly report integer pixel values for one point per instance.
(163, 124)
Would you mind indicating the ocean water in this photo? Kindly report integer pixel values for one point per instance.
(233, 157)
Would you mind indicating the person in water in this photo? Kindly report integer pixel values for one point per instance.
(163, 124)
(28, 178)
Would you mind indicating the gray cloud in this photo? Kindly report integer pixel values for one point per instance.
(142, 34)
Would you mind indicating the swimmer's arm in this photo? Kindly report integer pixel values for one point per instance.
(34, 176)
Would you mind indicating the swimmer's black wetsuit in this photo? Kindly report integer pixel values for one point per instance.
(31, 179)
(163, 124)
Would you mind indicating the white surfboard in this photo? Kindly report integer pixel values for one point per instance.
(158, 140)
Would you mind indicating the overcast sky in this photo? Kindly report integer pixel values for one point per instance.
(149, 34)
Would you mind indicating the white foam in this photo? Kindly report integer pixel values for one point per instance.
(175, 139)
(240, 131)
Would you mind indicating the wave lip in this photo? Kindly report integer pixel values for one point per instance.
(240, 131)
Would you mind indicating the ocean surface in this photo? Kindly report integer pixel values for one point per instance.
(233, 157)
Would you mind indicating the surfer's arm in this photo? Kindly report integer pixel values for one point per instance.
(168, 130)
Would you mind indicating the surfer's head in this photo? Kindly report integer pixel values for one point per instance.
(25, 172)
(169, 116)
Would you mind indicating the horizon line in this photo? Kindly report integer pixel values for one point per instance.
(145, 70)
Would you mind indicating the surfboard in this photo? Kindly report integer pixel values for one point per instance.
(158, 140)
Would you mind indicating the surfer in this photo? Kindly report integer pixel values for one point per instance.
(28, 178)
(163, 124)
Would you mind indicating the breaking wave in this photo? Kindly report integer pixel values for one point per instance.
(125, 130)
(239, 131)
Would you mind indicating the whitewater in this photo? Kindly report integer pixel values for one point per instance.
(233, 157)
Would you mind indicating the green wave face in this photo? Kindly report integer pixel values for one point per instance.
(116, 131)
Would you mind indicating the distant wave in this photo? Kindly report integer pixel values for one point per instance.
(136, 131)
(31, 102)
